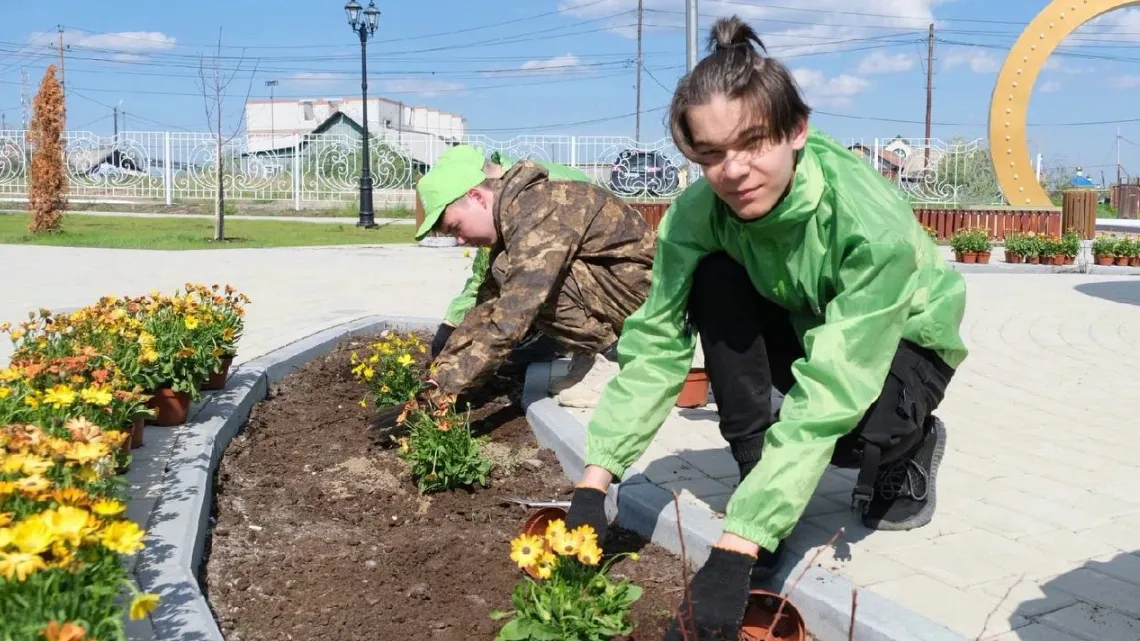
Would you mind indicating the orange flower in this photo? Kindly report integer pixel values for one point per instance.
(54, 631)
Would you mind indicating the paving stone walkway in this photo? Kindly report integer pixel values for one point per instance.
(1039, 493)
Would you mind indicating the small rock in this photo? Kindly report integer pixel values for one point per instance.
(370, 563)
(419, 591)
(533, 464)
(241, 584)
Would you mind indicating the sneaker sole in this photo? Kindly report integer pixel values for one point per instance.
(926, 514)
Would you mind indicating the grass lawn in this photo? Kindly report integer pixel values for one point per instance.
(174, 233)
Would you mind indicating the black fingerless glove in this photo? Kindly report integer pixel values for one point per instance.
(441, 336)
(588, 507)
(719, 597)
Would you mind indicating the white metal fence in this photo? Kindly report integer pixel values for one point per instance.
(323, 170)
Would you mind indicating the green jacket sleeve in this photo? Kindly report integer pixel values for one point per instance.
(846, 360)
(463, 303)
(654, 352)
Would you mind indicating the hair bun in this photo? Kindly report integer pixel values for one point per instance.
(732, 33)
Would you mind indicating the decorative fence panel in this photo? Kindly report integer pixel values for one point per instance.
(324, 169)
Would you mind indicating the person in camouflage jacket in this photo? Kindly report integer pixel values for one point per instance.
(568, 258)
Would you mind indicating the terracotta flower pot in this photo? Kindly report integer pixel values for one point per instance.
(984, 258)
(1013, 258)
(217, 380)
(967, 257)
(1134, 261)
(172, 407)
(760, 615)
(695, 393)
(137, 427)
(1033, 260)
(1122, 261)
(1105, 260)
(536, 526)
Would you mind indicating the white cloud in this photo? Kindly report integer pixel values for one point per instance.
(1124, 82)
(421, 87)
(1050, 86)
(567, 63)
(1122, 25)
(978, 60)
(122, 46)
(833, 91)
(879, 62)
(797, 28)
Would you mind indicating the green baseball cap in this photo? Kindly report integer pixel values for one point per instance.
(455, 172)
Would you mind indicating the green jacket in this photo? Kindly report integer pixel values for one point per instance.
(845, 253)
(463, 303)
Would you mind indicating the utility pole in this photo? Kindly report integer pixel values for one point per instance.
(24, 99)
(272, 112)
(691, 38)
(62, 72)
(637, 126)
(1117, 156)
(929, 92)
(115, 113)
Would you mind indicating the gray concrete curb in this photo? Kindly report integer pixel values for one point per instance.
(176, 507)
(822, 597)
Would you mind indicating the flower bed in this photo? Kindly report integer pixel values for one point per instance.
(72, 401)
(1042, 249)
(324, 530)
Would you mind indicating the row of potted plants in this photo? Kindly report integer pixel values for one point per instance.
(971, 245)
(1113, 249)
(1033, 248)
(72, 403)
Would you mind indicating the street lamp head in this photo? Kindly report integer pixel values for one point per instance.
(373, 16)
(353, 11)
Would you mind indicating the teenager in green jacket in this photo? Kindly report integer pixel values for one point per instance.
(801, 268)
(537, 346)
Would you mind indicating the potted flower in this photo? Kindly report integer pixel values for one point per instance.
(1127, 251)
(1104, 249)
(1016, 246)
(172, 363)
(222, 315)
(1070, 246)
(964, 246)
(980, 243)
(1049, 246)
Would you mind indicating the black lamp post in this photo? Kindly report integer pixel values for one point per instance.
(364, 28)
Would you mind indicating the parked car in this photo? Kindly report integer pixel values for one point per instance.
(643, 173)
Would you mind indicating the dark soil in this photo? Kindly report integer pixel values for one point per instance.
(320, 533)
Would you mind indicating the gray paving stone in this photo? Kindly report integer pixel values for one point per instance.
(1093, 623)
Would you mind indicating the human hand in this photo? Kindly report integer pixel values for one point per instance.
(713, 609)
(588, 507)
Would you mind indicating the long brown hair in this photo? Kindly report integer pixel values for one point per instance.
(738, 68)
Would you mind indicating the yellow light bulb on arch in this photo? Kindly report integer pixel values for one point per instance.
(1009, 104)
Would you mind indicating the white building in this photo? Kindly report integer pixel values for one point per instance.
(424, 132)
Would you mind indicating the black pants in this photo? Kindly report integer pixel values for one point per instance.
(749, 346)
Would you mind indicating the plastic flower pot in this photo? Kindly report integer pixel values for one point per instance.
(536, 525)
(695, 392)
(217, 380)
(172, 407)
(759, 619)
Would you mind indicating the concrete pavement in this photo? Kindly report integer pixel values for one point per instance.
(1039, 494)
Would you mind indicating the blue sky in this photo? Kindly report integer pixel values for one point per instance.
(565, 66)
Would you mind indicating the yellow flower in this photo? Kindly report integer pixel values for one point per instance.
(33, 484)
(5, 519)
(526, 550)
(66, 632)
(107, 507)
(405, 360)
(143, 604)
(123, 537)
(634, 556)
(363, 402)
(566, 543)
(5, 392)
(71, 524)
(34, 465)
(96, 395)
(586, 534)
(87, 474)
(59, 396)
(69, 496)
(9, 374)
(555, 529)
(86, 452)
(32, 535)
(544, 567)
(32, 400)
(18, 565)
(590, 554)
(5, 537)
(13, 463)
(148, 355)
(191, 322)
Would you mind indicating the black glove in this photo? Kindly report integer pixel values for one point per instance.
(441, 336)
(588, 507)
(719, 593)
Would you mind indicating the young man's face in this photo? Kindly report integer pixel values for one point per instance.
(471, 219)
(747, 171)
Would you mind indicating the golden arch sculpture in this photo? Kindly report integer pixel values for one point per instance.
(1009, 104)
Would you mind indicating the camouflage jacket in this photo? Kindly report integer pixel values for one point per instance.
(572, 260)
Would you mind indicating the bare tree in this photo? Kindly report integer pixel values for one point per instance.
(214, 83)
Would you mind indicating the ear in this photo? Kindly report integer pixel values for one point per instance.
(799, 138)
